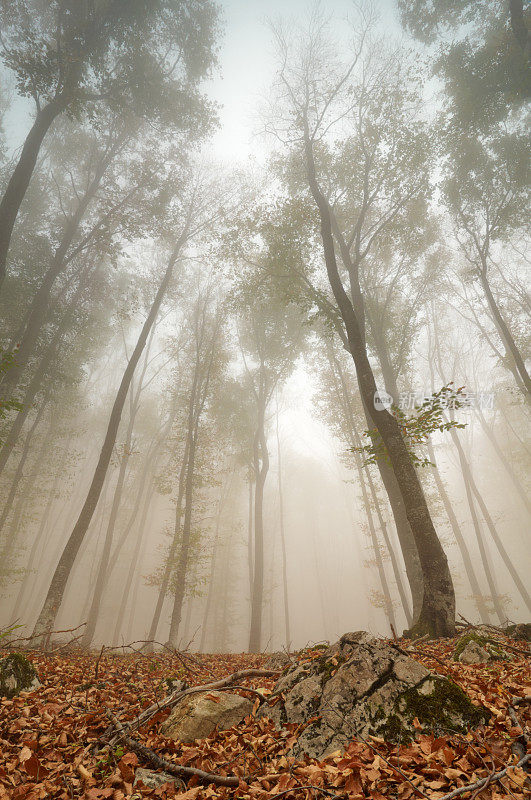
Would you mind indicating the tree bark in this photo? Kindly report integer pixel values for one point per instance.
(21, 176)
(57, 587)
(261, 467)
(283, 543)
(437, 616)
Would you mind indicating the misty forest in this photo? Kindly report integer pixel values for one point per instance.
(265, 398)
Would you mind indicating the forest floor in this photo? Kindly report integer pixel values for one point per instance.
(45, 736)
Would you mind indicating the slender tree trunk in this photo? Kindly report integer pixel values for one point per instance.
(250, 532)
(388, 603)
(57, 587)
(213, 563)
(184, 550)
(261, 462)
(283, 542)
(21, 176)
(437, 616)
(507, 466)
(459, 538)
(41, 371)
(522, 590)
(504, 332)
(133, 564)
(20, 466)
(152, 634)
(34, 547)
(103, 570)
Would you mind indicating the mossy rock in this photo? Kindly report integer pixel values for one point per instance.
(480, 643)
(365, 686)
(520, 632)
(17, 674)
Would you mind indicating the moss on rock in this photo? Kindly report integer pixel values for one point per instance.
(17, 674)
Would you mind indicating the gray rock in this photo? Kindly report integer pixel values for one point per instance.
(473, 653)
(152, 780)
(278, 661)
(363, 686)
(196, 716)
(17, 674)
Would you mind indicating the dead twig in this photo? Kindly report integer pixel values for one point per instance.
(481, 784)
(171, 699)
(152, 758)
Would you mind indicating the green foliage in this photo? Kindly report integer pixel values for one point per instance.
(417, 428)
(482, 56)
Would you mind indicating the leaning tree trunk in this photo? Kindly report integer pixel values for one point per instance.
(21, 176)
(504, 332)
(261, 462)
(437, 616)
(48, 614)
(405, 537)
(524, 594)
(487, 430)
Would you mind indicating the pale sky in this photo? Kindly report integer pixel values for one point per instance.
(247, 64)
(245, 71)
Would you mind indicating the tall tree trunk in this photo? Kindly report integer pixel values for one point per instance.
(42, 369)
(403, 528)
(261, 467)
(503, 330)
(283, 542)
(437, 616)
(184, 550)
(45, 622)
(21, 176)
(388, 602)
(459, 538)
(469, 478)
(250, 532)
(133, 564)
(152, 633)
(103, 571)
(213, 561)
(20, 466)
(487, 430)
(405, 536)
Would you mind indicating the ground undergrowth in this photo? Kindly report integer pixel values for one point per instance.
(48, 738)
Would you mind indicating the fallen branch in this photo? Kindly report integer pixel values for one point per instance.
(152, 758)
(471, 787)
(171, 699)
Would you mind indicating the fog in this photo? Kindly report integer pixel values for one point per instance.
(264, 326)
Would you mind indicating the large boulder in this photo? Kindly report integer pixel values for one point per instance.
(17, 674)
(363, 686)
(197, 715)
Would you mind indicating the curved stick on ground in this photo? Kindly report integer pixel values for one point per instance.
(471, 787)
(152, 758)
(171, 699)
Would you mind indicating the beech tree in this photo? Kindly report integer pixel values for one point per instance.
(71, 57)
(314, 93)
